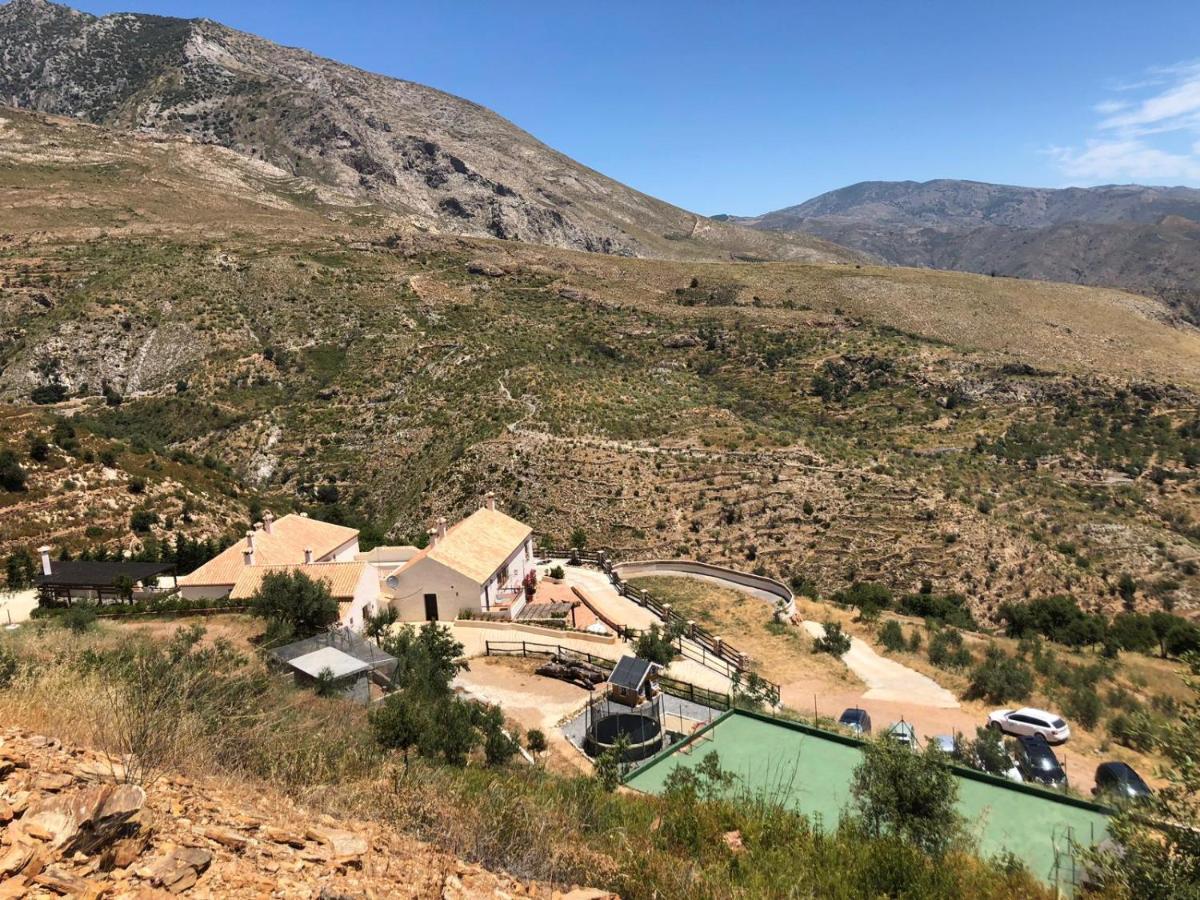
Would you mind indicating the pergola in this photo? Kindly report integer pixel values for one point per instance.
(94, 581)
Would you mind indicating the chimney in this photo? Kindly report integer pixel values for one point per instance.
(268, 520)
(433, 537)
(308, 559)
(441, 527)
(490, 500)
(304, 515)
(248, 553)
(45, 551)
(258, 526)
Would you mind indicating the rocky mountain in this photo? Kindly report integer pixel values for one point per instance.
(359, 140)
(213, 333)
(1142, 239)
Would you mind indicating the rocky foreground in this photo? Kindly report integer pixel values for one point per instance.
(72, 827)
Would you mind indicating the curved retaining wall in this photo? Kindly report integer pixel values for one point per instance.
(759, 585)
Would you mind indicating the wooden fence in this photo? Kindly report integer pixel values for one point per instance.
(700, 646)
(684, 690)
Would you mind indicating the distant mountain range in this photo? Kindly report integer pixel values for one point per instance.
(1142, 239)
(362, 140)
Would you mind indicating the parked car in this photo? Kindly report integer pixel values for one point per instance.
(1027, 720)
(857, 720)
(904, 733)
(1037, 762)
(1119, 781)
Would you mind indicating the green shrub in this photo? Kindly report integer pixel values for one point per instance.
(908, 795)
(868, 598)
(948, 609)
(142, 520)
(1137, 730)
(892, 636)
(46, 394)
(1084, 706)
(12, 475)
(835, 642)
(293, 599)
(655, 644)
(78, 619)
(1000, 678)
(946, 650)
(535, 740)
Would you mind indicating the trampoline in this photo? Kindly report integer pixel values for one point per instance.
(644, 734)
(609, 720)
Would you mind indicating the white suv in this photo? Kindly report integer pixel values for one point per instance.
(1028, 720)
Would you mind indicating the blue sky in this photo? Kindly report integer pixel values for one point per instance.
(748, 107)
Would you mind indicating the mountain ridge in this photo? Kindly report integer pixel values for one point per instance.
(1133, 237)
(422, 155)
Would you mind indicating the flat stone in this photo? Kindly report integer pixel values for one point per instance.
(226, 837)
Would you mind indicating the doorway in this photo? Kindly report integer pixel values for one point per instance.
(431, 611)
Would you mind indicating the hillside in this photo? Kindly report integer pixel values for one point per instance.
(1142, 239)
(998, 437)
(349, 138)
(74, 832)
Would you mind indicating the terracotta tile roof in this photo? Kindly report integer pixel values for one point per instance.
(342, 578)
(477, 546)
(285, 545)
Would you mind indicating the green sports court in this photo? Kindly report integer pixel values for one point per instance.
(810, 771)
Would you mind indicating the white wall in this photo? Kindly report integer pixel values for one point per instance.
(366, 600)
(204, 591)
(345, 553)
(455, 592)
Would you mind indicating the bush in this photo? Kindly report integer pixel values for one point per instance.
(946, 650)
(1083, 705)
(12, 475)
(868, 598)
(907, 795)
(656, 645)
(578, 539)
(892, 636)
(78, 619)
(535, 740)
(294, 600)
(39, 450)
(949, 609)
(46, 394)
(1137, 730)
(20, 569)
(1000, 678)
(834, 642)
(9, 666)
(142, 520)
(1058, 618)
(557, 572)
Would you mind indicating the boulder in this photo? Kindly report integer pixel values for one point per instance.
(86, 820)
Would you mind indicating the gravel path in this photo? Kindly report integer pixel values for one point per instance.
(887, 679)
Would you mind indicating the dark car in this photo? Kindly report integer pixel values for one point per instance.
(856, 720)
(1120, 781)
(1036, 762)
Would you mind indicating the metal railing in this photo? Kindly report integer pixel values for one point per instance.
(684, 690)
(694, 642)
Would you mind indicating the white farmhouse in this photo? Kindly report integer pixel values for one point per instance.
(292, 540)
(478, 565)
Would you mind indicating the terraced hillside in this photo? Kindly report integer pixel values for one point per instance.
(997, 437)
